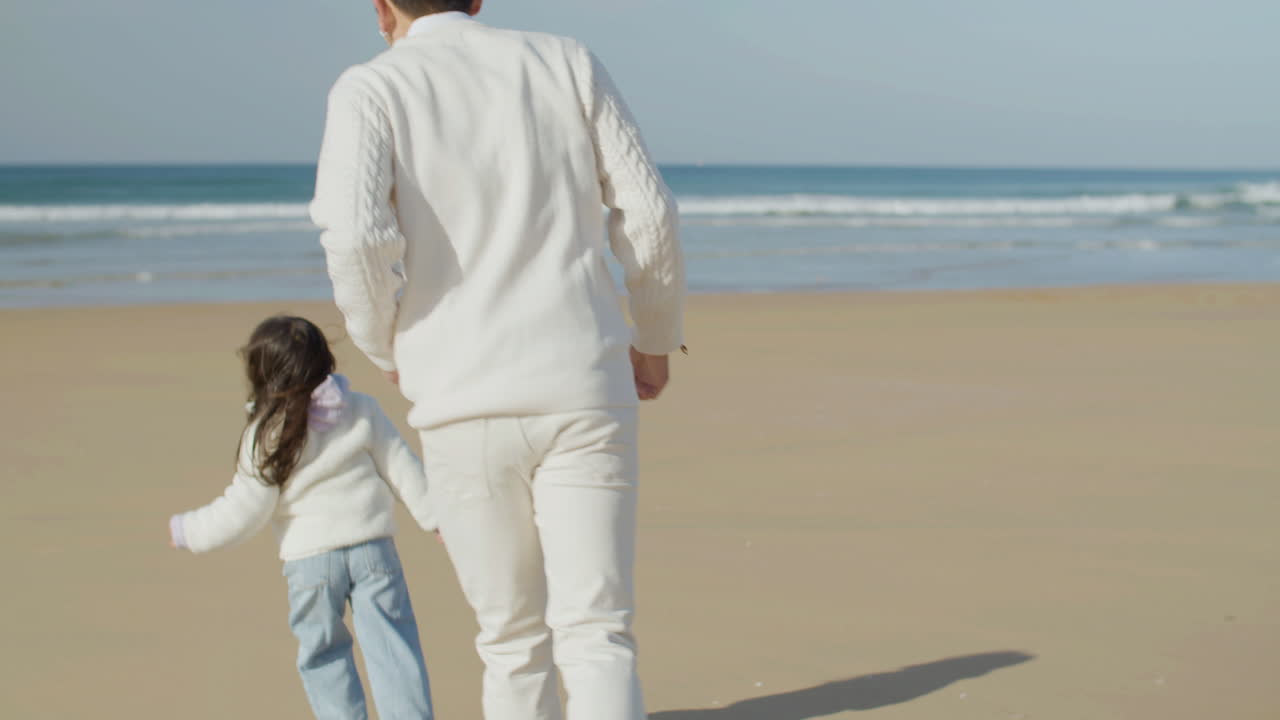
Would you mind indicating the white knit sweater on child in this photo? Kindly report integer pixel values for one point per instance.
(341, 493)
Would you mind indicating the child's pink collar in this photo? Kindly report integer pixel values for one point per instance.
(327, 402)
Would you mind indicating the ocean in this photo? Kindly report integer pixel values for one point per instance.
(122, 235)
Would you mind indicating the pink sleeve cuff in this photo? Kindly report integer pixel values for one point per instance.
(176, 534)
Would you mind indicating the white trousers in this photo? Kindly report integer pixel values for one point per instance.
(539, 516)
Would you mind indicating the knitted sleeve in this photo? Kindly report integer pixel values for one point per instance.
(242, 510)
(401, 469)
(353, 208)
(643, 219)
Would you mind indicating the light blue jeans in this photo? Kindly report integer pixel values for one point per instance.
(369, 577)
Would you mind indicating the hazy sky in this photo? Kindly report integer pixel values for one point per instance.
(989, 82)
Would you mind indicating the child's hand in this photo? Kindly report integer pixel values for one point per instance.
(176, 539)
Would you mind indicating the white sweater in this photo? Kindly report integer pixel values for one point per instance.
(341, 493)
(478, 164)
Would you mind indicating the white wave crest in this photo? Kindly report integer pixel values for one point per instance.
(1257, 195)
(222, 228)
(981, 247)
(828, 221)
(151, 213)
(1260, 193)
(1262, 197)
(928, 207)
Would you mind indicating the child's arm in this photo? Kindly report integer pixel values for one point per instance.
(401, 469)
(239, 514)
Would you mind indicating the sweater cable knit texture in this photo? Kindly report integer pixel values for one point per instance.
(462, 192)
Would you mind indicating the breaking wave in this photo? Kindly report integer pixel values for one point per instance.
(1243, 196)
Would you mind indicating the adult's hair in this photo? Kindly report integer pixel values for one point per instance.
(286, 359)
(418, 8)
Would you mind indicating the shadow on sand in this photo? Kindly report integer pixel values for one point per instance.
(865, 692)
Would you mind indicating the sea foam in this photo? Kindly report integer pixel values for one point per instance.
(108, 213)
(800, 205)
(1261, 196)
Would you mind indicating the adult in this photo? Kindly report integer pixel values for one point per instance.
(462, 192)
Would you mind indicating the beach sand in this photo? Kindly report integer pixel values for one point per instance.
(1006, 504)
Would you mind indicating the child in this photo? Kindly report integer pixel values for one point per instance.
(322, 463)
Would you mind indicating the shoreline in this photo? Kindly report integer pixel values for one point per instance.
(699, 295)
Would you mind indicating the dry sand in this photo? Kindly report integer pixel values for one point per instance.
(1040, 504)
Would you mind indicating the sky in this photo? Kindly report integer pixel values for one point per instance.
(1129, 83)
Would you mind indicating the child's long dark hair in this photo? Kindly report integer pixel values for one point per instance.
(286, 359)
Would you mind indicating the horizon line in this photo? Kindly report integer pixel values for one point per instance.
(709, 165)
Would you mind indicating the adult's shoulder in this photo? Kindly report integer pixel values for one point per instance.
(366, 80)
(543, 42)
(562, 41)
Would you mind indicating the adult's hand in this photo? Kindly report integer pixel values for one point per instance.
(651, 374)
